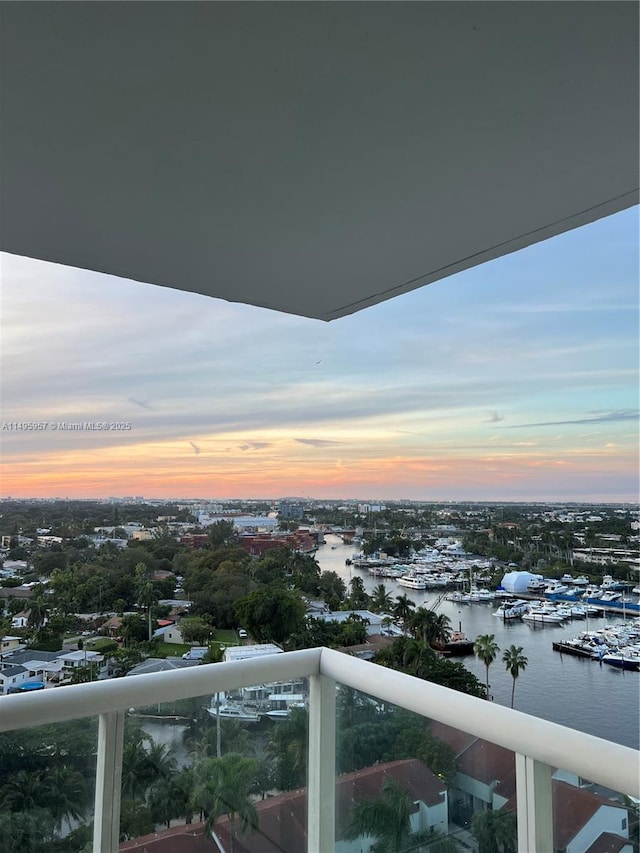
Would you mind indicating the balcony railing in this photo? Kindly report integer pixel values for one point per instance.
(539, 746)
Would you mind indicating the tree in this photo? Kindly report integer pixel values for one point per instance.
(381, 600)
(221, 533)
(358, 598)
(196, 629)
(66, 795)
(495, 831)
(388, 819)
(145, 593)
(222, 788)
(38, 613)
(486, 650)
(427, 626)
(287, 746)
(417, 657)
(403, 608)
(514, 662)
(271, 614)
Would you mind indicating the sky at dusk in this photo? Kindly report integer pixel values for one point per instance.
(516, 380)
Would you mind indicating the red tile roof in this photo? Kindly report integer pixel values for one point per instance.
(572, 808)
(609, 843)
(283, 819)
(178, 839)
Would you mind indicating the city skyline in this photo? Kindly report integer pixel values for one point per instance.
(515, 380)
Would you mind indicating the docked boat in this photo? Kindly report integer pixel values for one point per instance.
(592, 591)
(233, 711)
(543, 616)
(625, 658)
(581, 580)
(459, 597)
(457, 645)
(610, 595)
(555, 588)
(412, 581)
(510, 610)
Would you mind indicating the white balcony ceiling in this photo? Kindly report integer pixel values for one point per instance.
(315, 158)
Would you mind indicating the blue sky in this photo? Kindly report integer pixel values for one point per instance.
(516, 380)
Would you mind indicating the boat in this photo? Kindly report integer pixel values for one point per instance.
(233, 711)
(283, 712)
(578, 611)
(456, 645)
(581, 580)
(514, 609)
(412, 581)
(543, 616)
(592, 591)
(459, 597)
(555, 588)
(566, 578)
(610, 596)
(625, 658)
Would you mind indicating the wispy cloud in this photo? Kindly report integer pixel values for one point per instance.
(317, 442)
(591, 418)
(223, 392)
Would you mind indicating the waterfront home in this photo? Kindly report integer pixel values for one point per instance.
(282, 819)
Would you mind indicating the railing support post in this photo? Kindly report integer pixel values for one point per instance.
(106, 824)
(321, 788)
(534, 804)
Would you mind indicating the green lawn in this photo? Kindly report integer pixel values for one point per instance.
(98, 643)
(170, 650)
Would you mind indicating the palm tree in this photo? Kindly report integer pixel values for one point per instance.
(381, 600)
(287, 745)
(416, 656)
(358, 598)
(514, 661)
(66, 795)
(38, 613)
(388, 819)
(403, 608)
(136, 770)
(486, 650)
(495, 831)
(23, 792)
(223, 789)
(441, 630)
(422, 624)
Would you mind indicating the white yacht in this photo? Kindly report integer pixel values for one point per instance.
(543, 616)
(513, 609)
(555, 587)
(412, 581)
(232, 711)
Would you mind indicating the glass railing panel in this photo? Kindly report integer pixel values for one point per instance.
(47, 787)
(227, 766)
(589, 816)
(403, 779)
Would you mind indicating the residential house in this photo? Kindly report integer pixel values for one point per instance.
(9, 644)
(282, 819)
(12, 675)
(486, 781)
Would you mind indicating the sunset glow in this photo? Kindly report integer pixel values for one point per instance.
(516, 380)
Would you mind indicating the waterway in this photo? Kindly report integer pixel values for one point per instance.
(575, 692)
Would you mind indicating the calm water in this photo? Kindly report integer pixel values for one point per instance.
(576, 692)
